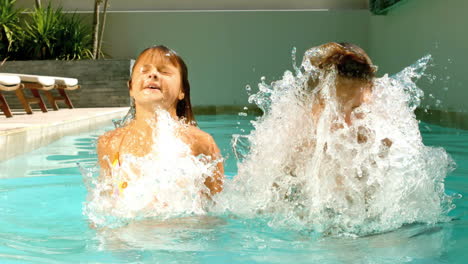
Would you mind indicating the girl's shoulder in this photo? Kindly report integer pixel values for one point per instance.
(110, 141)
(201, 141)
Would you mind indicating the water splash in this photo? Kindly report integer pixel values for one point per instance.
(129, 116)
(165, 183)
(297, 70)
(407, 79)
(317, 171)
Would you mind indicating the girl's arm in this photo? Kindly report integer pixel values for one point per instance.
(215, 183)
(203, 143)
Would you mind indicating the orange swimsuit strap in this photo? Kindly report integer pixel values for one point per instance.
(116, 158)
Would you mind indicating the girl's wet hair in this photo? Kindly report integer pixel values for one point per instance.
(350, 60)
(184, 106)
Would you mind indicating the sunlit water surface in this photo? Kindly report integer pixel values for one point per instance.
(42, 196)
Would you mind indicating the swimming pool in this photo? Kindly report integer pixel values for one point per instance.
(42, 195)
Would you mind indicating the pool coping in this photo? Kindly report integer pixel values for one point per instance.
(29, 136)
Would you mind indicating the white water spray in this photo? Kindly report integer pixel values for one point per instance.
(167, 182)
(319, 172)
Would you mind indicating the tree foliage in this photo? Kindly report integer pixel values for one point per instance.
(43, 33)
(10, 32)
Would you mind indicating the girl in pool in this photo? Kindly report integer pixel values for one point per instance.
(161, 155)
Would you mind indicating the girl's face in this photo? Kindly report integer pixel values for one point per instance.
(156, 81)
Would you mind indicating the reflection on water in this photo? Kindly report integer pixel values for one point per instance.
(177, 234)
(409, 243)
(243, 241)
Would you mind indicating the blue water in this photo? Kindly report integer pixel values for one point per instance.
(41, 220)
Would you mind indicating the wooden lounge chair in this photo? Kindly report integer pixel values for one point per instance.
(12, 83)
(62, 85)
(7, 84)
(46, 84)
(36, 83)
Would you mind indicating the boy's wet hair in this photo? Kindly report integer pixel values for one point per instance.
(184, 106)
(349, 60)
(356, 63)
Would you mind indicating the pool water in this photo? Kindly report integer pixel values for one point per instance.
(41, 219)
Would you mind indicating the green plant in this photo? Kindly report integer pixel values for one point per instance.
(51, 34)
(74, 40)
(41, 30)
(381, 7)
(10, 32)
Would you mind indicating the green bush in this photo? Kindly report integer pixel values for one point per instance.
(74, 41)
(41, 31)
(51, 34)
(11, 35)
(43, 34)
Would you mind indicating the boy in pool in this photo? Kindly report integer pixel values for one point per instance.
(159, 80)
(353, 81)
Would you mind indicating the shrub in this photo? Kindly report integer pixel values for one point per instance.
(45, 33)
(10, 33)
(74, 41)
(51, 34)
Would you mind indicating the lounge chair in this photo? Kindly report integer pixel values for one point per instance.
(47, 84)
(15, 83)
(36, 83)
(62, 85)
(7, 84)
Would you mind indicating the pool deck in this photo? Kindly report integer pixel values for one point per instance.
(23, 133)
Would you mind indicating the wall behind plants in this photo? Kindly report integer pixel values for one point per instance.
(103, 82)
(225, 51)
(124, 5)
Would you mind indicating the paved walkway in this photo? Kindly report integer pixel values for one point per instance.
(23, 133)
(22, 120)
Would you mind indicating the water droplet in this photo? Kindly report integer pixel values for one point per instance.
(294, 62)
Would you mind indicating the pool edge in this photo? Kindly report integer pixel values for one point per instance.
(18, 141)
